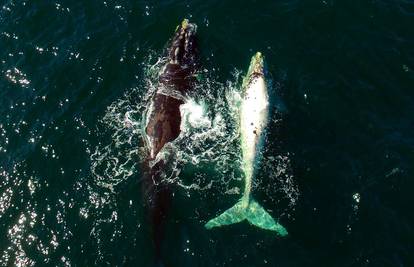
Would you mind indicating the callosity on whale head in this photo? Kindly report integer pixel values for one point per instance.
(182, 58)
(183, 50)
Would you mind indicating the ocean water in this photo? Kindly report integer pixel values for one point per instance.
(75, 81)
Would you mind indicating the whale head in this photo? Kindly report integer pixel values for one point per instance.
(183, 49)
(257, 64)
(256, 69)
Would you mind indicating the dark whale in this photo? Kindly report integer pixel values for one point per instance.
(177, 77)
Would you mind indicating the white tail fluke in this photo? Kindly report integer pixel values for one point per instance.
(253, 213)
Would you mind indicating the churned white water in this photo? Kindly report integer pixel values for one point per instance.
(209, 142)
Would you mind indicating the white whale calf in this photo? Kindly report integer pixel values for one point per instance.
(253, 121)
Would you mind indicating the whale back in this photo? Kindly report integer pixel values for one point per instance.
(176, 79)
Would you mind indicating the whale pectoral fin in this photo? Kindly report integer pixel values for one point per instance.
(256, 215)
(233, 215)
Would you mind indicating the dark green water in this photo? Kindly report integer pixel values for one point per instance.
(342, 142)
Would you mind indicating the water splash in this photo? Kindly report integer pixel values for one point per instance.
(207, 152)
(117, 157)
(16, 76)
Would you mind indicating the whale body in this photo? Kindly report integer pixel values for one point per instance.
(163, 120)
(253, 120)
(176, 79)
